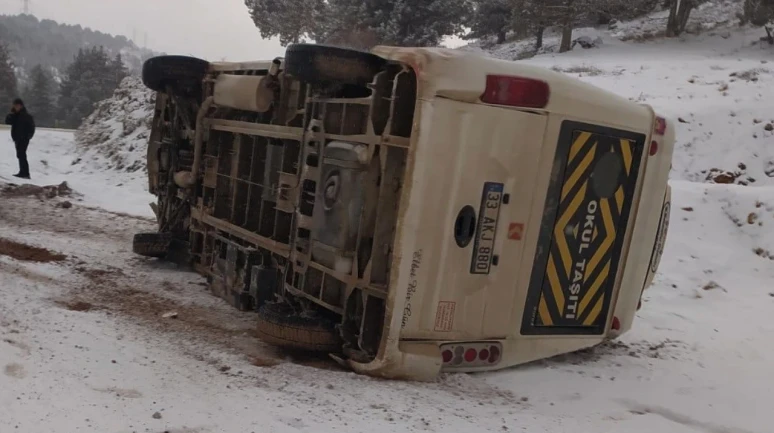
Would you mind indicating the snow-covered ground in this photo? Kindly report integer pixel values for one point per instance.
(54, 158)
(83, 346)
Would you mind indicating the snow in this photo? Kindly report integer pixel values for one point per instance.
(54, 158)
(115, 135)
(697, 360)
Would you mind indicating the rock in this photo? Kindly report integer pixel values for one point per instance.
(681, 120)
(586, 42)
(157, 415)
(769, 127)
(722, 177)
(65, 205)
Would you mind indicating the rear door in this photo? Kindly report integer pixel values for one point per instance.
(584, 224)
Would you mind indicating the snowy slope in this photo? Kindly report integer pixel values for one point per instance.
(115, 136)
(717, 86)
(698, 359)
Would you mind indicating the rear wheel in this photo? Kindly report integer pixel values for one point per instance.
(154, 245)
(182, 74)
(279, 325)
(321, 64)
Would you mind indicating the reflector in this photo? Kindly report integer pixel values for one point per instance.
(515, 91)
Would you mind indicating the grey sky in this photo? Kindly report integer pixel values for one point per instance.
(213, 29)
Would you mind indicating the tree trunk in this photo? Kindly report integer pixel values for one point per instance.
(671, 30)
(501, 37)
(539, 41)
(679, 14)
(566, 38)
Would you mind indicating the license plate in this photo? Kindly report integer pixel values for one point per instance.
(486, 230)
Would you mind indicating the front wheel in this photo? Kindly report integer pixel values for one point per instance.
(182, 74)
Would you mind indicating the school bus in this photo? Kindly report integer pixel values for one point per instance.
(410, 211)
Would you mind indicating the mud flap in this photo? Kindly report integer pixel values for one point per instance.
(584, 224)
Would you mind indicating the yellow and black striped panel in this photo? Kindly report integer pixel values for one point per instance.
(584, 223)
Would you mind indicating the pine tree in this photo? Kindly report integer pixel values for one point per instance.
(422, 23)
(39, 96)
(8, 83)
(118, 69)
(92, 77)
(291, 20)
(360, 22)
(758, 12)
(491, 18)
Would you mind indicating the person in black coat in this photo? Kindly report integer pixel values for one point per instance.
(22, 130)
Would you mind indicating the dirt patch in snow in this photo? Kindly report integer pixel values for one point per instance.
(28, 190)
(28, 253)
(79, 306)
(667, 349)
(15, 370)
(168, 308)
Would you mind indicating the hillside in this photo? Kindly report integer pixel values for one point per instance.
(53, 45)
(697, 360)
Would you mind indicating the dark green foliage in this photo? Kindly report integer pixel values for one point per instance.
(8, 84)
(491, 18)
(39, 96)
(52, 45)
(361, 23)
(92, 77)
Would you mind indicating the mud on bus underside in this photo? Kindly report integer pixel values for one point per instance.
(294, 213)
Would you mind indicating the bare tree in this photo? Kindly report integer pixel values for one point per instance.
(679, 13)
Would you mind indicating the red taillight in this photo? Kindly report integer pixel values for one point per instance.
(516, 91)
(467, 355)
(483, 355)
(470, 355)
(494, 354)
(616, 324)
(661, 126)
(653, 147)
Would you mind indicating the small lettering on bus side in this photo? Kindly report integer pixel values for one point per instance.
(416, 261)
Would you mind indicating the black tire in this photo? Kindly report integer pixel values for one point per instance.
(321, 64)
(280, 326)
(154, 245)
(182, 74)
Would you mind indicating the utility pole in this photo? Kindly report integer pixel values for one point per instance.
(26, 6)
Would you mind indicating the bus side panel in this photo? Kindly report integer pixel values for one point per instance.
(585, 219)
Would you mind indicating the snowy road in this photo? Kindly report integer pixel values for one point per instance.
(83, 346)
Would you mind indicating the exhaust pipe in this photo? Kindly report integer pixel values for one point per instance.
(187, 179)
